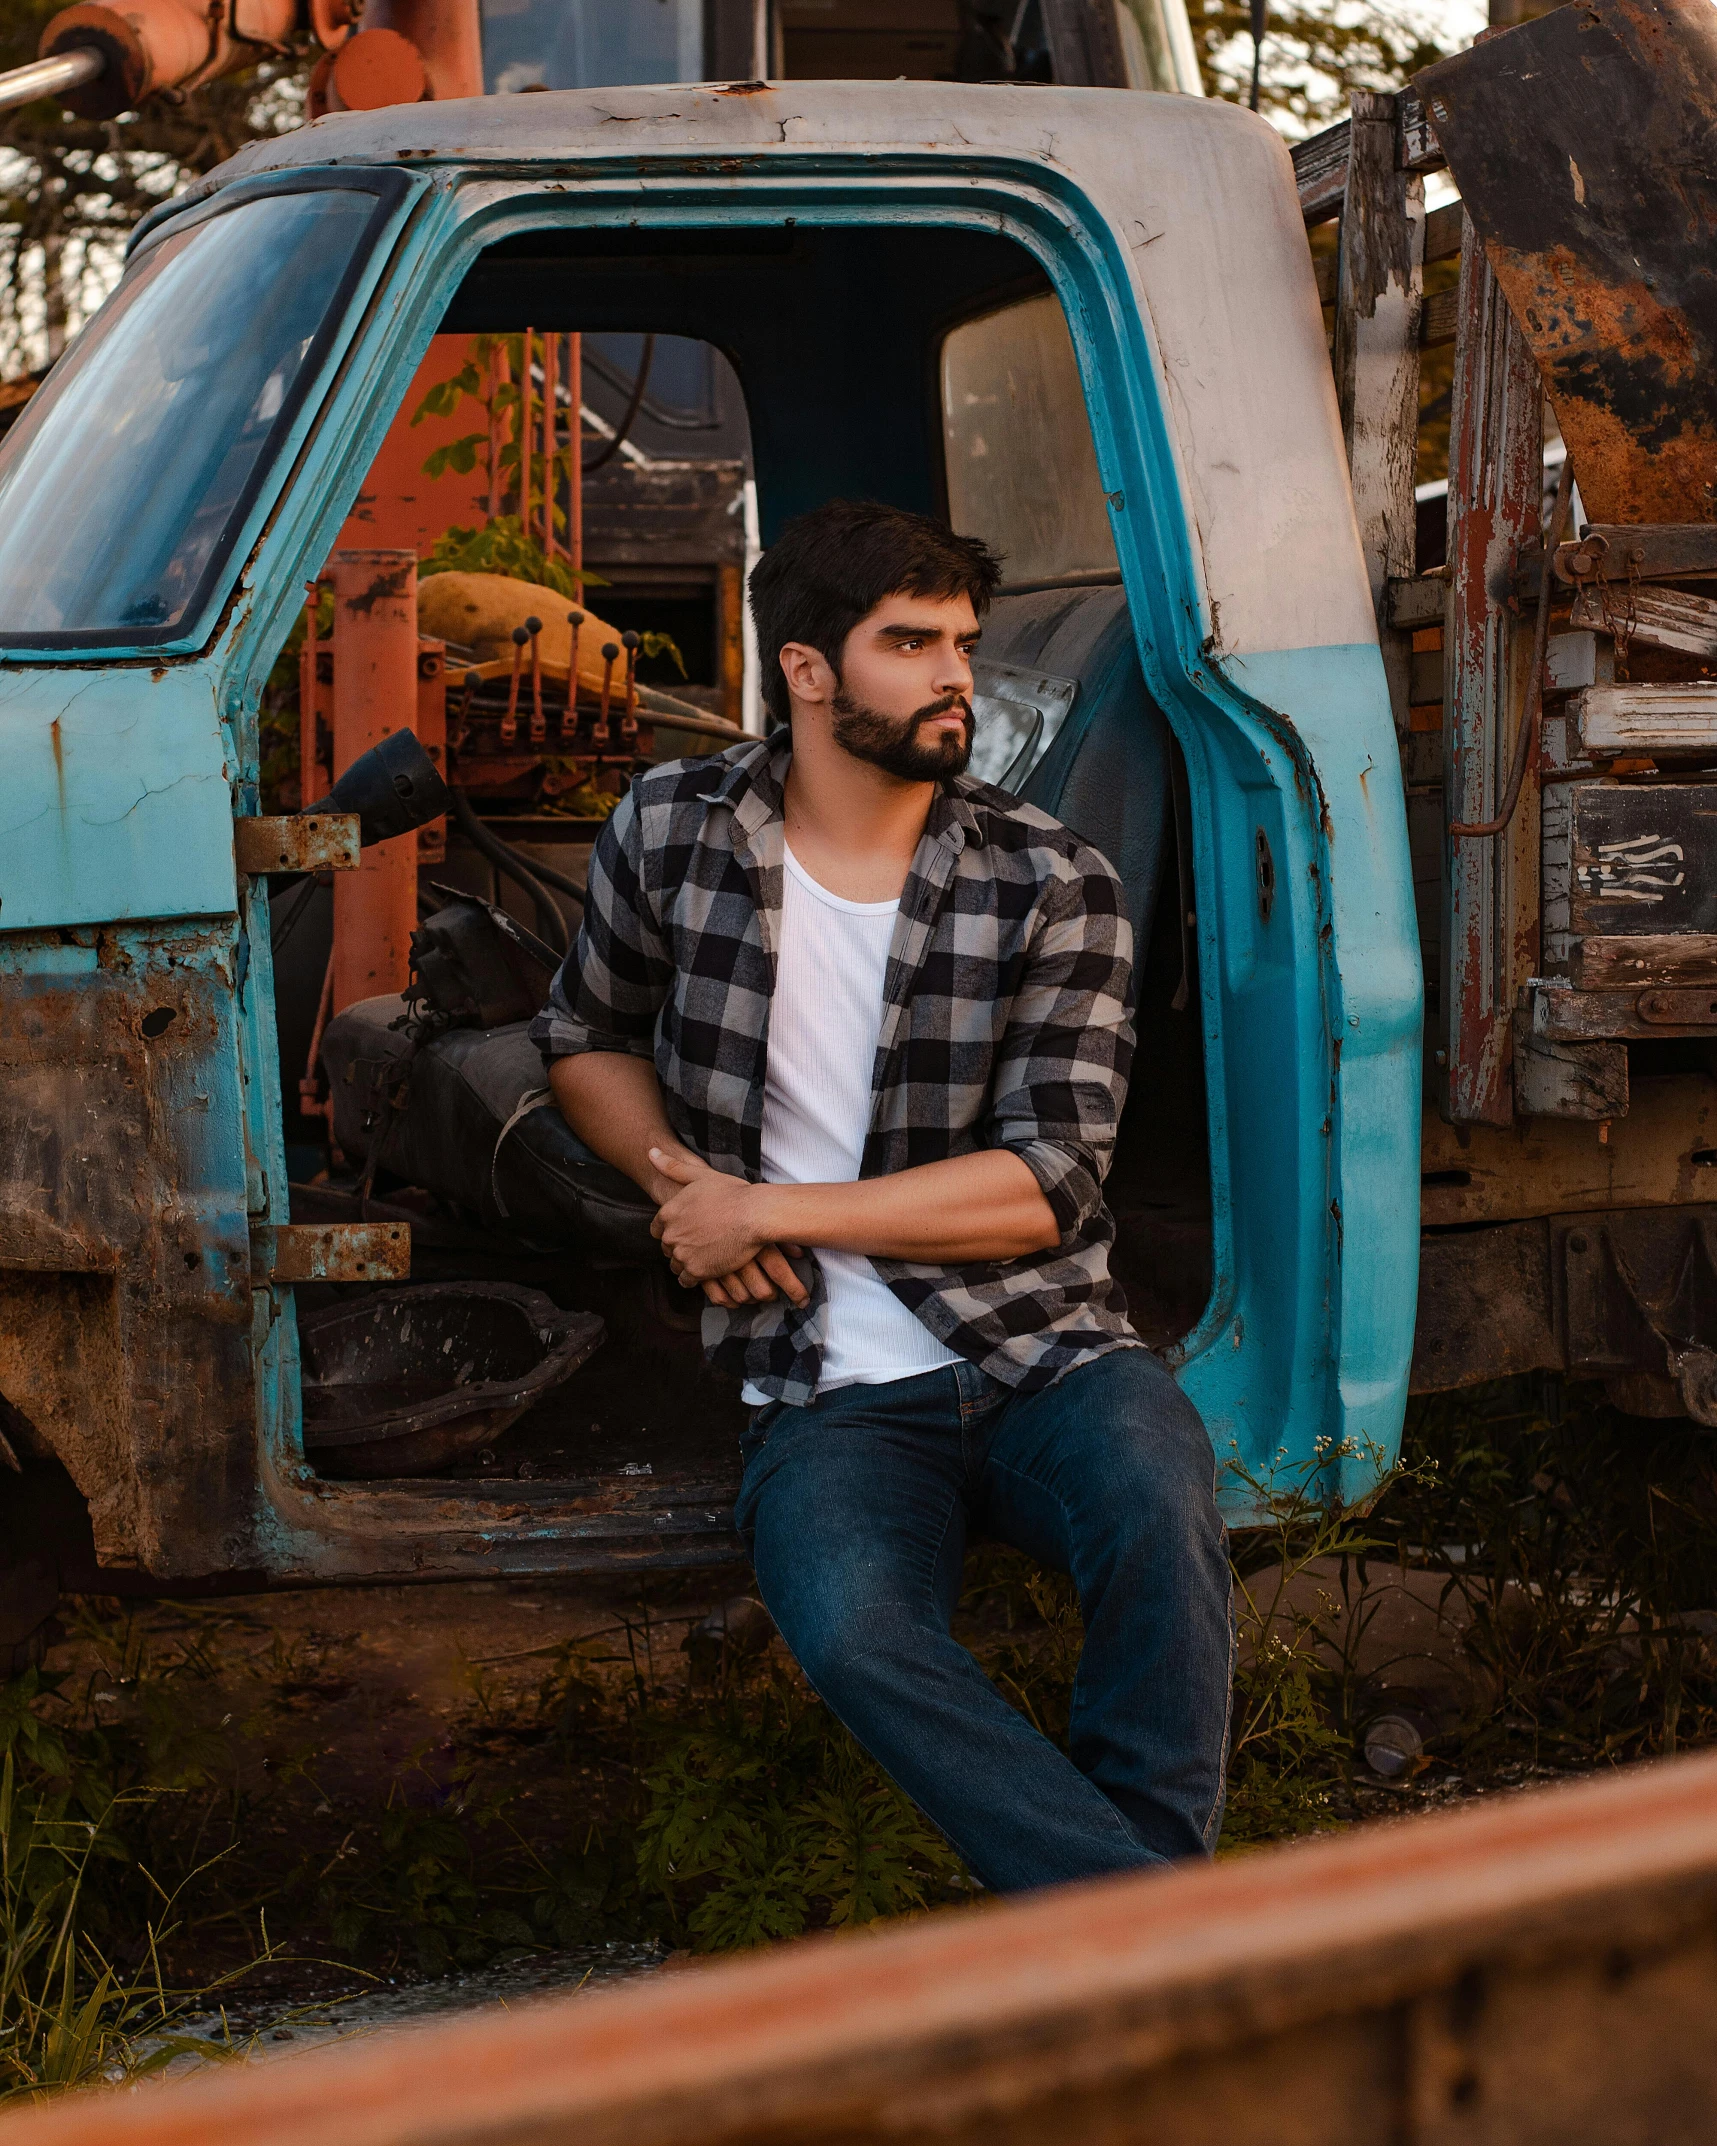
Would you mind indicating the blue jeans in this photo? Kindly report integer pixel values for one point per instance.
(857, 1510)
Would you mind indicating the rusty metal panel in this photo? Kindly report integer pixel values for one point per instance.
(297, 842)
(125, 1299)
(1581, 144)
(331, 1251)
(1537, 1969)
(1490, 937)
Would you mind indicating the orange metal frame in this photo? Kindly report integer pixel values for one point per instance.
(1538, 1968)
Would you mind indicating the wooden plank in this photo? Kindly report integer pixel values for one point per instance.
(1418, 600)
(1440, 319)
(1638, 857)
(1685, 959)
(1549, 1957)
(1320, 161)
(1664, 721)
(1554, 1078)
(1490, 938)
(1675, 619)
(1320, 172)
(1443, 232)
(1417, 146)
(1379, 291)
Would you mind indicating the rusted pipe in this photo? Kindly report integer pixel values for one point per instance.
(539, 726)
(551, 426)
(1526, 745)
(569, 714)
(610, 654)
(375, 694)
(629, 721)
(510, 721)
(575, 453)
(525, 438)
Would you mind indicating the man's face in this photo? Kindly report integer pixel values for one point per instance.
(904, 700)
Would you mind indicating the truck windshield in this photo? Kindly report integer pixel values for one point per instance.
(126, 482)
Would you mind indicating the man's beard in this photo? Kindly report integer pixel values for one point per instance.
(893, 744)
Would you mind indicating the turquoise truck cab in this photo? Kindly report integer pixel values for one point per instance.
(1081, 322)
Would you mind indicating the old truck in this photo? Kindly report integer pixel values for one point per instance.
(1085, 323)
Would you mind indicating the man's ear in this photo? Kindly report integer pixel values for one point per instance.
(809, 674)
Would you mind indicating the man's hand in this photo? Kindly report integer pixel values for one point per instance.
(708, 1228)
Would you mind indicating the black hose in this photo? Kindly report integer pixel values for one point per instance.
(502, 854)
(611, 448)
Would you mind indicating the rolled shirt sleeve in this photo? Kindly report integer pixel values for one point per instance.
(1067, 1052)
(611, 988)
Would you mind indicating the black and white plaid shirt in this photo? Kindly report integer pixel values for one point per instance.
(1005, 1024)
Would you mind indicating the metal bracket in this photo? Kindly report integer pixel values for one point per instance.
(299, 842)
(330, 1252)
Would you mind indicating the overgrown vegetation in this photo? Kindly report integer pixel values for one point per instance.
(170, 1823)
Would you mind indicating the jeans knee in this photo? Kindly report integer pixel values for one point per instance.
(850, 1651)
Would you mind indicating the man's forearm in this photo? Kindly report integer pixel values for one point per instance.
(613, 1102)
(971, 1207)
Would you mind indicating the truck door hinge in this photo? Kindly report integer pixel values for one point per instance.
(299, 842)
(330, 1251)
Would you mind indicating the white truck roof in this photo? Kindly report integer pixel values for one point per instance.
(1199, 194)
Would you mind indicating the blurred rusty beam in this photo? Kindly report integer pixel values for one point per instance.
(1537, 1968)
(1581, 144)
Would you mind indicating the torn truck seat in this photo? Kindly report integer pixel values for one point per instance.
(460, 1115)
(1108, 770)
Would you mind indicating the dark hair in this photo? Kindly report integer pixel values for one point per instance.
(832, 567)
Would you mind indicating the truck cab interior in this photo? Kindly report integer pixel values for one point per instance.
(927, 365)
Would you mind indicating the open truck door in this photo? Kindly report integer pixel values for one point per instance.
(1085, 325)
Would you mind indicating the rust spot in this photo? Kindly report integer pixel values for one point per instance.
(390, 584)
(59, 759)
(741, 89)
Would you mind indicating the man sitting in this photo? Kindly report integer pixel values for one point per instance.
(859, 1025)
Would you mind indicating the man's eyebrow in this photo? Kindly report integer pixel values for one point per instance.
(923, 633)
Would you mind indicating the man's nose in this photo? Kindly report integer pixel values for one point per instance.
(954, 673)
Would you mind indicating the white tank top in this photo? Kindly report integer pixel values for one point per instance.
(823, 1025)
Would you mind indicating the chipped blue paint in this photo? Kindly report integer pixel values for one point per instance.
(117, 802)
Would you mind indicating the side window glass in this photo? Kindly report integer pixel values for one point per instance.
(1022, 472)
